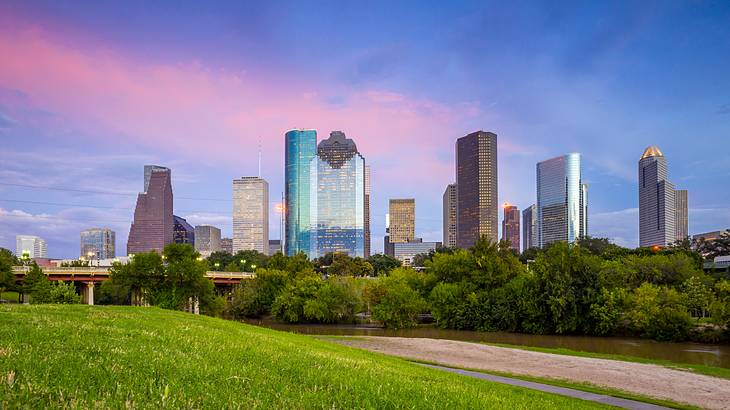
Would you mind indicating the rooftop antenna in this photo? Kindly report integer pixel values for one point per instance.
(259, 157)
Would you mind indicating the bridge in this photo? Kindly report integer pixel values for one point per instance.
(88, 277)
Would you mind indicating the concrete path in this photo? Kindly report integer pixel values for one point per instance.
(600, 398)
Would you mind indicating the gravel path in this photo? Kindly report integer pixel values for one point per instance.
(645, 379)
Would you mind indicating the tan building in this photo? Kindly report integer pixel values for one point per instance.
(511, 226)
(449, 229)
(402, 227)
(367, 211)
(250, 215)
(681, 214)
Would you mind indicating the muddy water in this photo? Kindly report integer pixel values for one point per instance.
(692, 353)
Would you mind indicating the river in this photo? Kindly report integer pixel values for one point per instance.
(691, 353)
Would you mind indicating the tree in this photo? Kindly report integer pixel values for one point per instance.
(383, 264)
(657, 312)
(63, 293)
(254, 297)
(143, 274)
(394, 303)
(336, 301)
(697, 296)
(343, 265)
(7, 277)
(36, 285)
(184, 280)
(218, 261)
(250, 260)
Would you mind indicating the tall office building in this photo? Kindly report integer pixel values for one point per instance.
(511, 226)
(367, 211)
(183, 232)
(207, 239)
(153, 223)
(476, 181)
(299, 153)
(529, 228)
(251, 214)
(337, 198)
(402, 214)
(227, 245)
(681, 211)
(449, 217)
(30, 245)
(562, 210)
(656, 200)
(98, 243)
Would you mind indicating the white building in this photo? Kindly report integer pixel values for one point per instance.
(251, 214)
(207, 239)
(32, 246)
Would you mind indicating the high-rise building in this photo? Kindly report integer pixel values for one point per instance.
(476, 181)
(32, 246)
(449, 217)
(299, 153)
(511, 226)
(562, 210)
(97, 244)
(367, 211)
(153, 223)
(207, 239)
(227, 245)
(529, 228)
(274, 246)
(656, 200)
(337, 198)
(183, 232)
(681, 212)
(402, 214)
(251, 214)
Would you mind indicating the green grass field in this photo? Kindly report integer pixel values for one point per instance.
(123, 357)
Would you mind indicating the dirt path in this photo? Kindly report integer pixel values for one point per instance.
(645, 379)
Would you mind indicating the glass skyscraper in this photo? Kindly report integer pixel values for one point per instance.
(98, 243)
(337, 198)
(299, 153)
(562, 209)
(183, 232)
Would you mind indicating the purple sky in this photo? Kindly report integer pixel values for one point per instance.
(92, 91)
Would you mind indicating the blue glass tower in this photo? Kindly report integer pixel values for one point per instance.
(562, 208)
(337, 198)
(300, 150)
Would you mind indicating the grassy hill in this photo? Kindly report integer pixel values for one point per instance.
(124, 357)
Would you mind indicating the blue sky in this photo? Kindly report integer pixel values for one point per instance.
(92, 91)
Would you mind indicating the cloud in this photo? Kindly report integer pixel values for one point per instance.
(6, 121)
(621, 226)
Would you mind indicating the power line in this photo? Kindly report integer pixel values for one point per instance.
(89, 191)
(102, 207)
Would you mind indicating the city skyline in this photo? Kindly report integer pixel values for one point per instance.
(608, 73)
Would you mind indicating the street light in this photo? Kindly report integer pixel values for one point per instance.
(253, 267)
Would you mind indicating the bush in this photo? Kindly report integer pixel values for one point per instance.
(394, 303)
(289, 305)
(336, 301)
(658, 313)
(254, 298)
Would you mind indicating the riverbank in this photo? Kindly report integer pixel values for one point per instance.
(638, 378)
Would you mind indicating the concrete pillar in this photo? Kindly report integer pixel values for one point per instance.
(196, 308)
(90, 293)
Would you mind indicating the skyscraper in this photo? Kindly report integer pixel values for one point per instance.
(681, 227)
(153, 223)
(98, 243)
(207, 239)
(251, 214)
(476, 181)
(562, 210)
(337, 198)
(299, 153)
(183, 232)
(367, 211)
(511, 226)
(449, 217)
(227, 245)
(656, 200)
(402, 213)
(529, 228)
(30, 245)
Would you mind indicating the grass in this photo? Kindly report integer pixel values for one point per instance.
(9, 296)
(720, 372)
(78, 356)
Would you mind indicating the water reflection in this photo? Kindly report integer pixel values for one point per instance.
(692, 353)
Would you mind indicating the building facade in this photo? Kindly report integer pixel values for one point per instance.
(299, 153)
(367, 211)
(207, 239)
(681, 215)
(402, 220)
(449, 216)
(97, 244)
(337, 198)
(476, 181)
(30, 246)
(511, 226)
(274, 246)
(153, 224)
(529, 228)
(656, 200)
(227, 245)
(251, 214)
(407, 251)
(562, 210)
(183, 232)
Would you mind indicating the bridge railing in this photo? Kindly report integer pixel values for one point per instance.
(94, 271)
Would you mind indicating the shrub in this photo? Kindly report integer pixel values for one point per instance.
(394, 303)
(658, 313)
